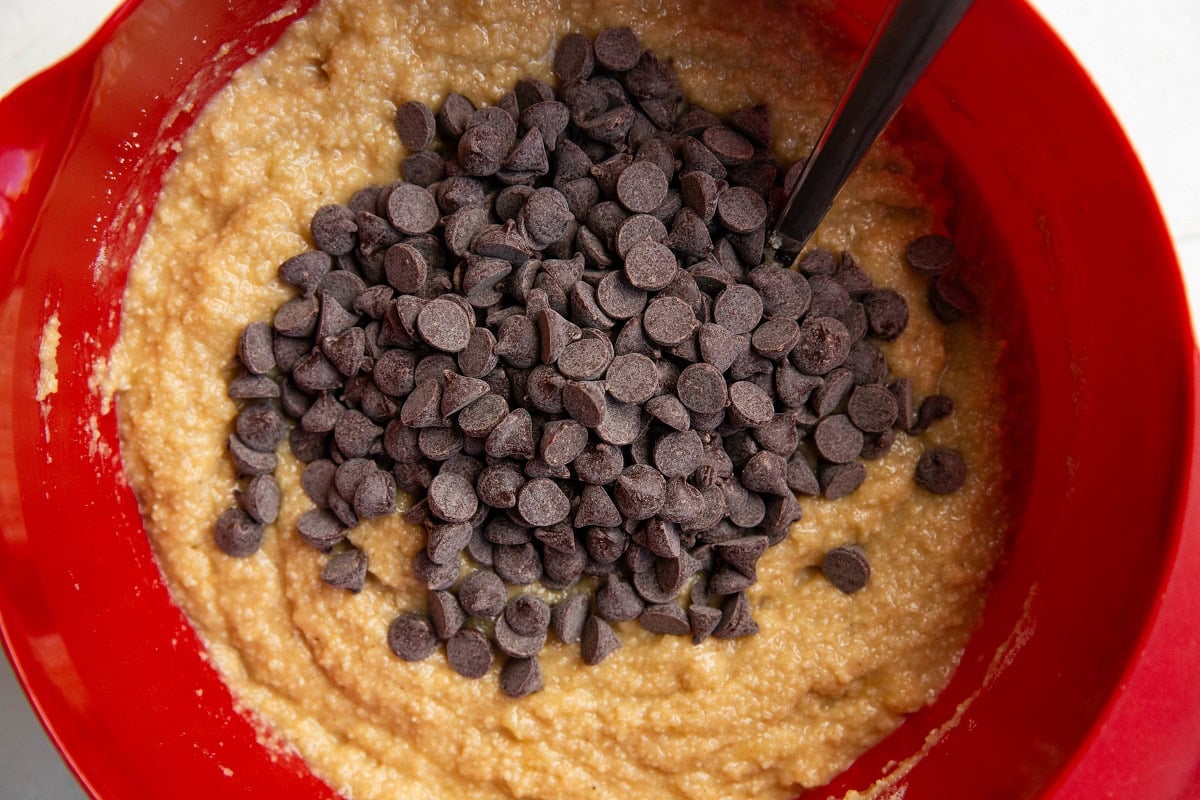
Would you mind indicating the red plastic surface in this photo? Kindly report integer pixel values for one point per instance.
(1091, 695)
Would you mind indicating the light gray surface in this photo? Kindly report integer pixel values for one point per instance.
(1143, 59)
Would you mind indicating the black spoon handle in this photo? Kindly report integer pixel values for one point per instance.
(907, 39)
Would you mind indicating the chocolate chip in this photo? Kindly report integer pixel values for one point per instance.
(951, 301)
(333, 230)
(847, 568)
(346, 570)
(622, 423)
(446, 613)
(512, 435)
(930, 254)
(305, 270)
(941, 470)
(639, 492)
(411, 209)
(617, 601)
(568, 618)
(482, 594)
(546, 214)
(599, 464)
(887, 313)
(829, 396)
(736, 620)
(728, 145)
(320, 529)
(527, 615)
(701, 388)
(249, 461)
(261, 499)
(415, 124)
(872, 408)
(573, 58)
(837, 439)
(636, 229)
(785, 293)
(237, 534)
(669, 320)
(411, 637)
(585, 359)
(642, 187)
(599, 641)
(469, 653)
(563, 440)
(839, 480)
(621, 300)
(741, 209)
(542, 503)
(668, 410)
(703, 621)
(678, 454)
(649, 265)
(444, 325)
(824, 343)
(617, 49)
(665, 618)
(766, 472)
(258, 387)
(738, 308)
(435, 577)
(375, 496)
(452, 498)
(518, 565)
(520, 677)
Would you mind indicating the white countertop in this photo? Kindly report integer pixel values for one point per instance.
(1144, 61)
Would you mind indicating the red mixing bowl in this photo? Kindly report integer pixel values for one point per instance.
(1078, 683)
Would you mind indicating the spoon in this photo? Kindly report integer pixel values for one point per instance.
(906, 40)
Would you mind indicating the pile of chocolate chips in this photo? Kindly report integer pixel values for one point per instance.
(562, 334)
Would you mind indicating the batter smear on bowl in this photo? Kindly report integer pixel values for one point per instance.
(518, 381)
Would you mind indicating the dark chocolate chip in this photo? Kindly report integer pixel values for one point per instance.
(346, 570)
(237, 534)
(415, 124)
(824, 343)
(941, 470)
(837, 439)
(930, 254)
(306, 270)
(951, 301)
(320, 529)
(469, 653)
(872, 408)
(411, 637)
(887, 313)
(446, 613)
(521, 677)
(678, 454)
(542, 503)
(741, 209)
(727, 145)
(518, 565)
(665, 618)
(702, 388)
(249, 461)
(563, 440)
(617, 49)
(512, 435)
(839, 480)
(452, 498)
(586, 358)
(334, 230)
(650, 266)
(766, 472)
(847, 568)
(668, 320)
(642, 187)
(639, 492)
(736, 620)
(482, 594)
(568, 618)
(617, 601)
(618, 298)
(703, 621)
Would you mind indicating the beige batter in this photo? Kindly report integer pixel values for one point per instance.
(761, 717)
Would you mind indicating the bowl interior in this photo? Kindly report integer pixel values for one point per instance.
(1050, 194)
